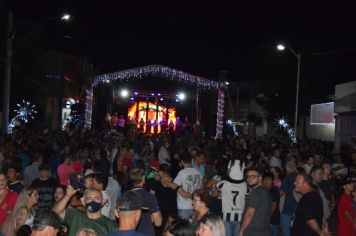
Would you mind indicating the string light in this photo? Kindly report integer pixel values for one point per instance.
(283, 123)
(220, 113)
(160, 71)
(88, 107)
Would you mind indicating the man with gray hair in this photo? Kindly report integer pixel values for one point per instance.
(92, 218)
(46, 223)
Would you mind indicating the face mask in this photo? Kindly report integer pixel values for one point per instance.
(93, 206)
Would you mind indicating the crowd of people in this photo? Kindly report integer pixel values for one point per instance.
(100, 182)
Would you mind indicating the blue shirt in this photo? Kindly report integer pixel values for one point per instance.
(149, 200)
(288, 187)
(200, 168)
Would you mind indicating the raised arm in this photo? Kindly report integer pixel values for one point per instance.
(60, 206)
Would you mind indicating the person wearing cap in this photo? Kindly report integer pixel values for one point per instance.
(91, 218)
(46, 223)
(129, 211)
(309, 220)
(346, 215)
(45, 186)
(152, 217)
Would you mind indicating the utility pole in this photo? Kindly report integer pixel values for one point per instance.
(7, 75)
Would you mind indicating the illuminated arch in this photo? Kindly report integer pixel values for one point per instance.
(161, 72)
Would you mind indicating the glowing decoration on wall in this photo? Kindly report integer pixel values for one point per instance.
(25, 111)
(283, 123)
(151, 114)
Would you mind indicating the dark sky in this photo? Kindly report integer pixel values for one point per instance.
(203, 38)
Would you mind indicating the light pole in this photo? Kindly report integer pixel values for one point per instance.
(282, 47)
(8, 61)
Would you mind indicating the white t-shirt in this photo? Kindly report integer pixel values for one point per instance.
(233, 199)
(163, 155)
(113, 191)
(190, 179)
(105, 210)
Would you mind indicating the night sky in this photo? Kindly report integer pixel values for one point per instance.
(203, 38)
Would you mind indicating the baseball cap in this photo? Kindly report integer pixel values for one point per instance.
(47, 218)
(346, 181)
(130, 201)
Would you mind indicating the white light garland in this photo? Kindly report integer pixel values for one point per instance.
(220, 112)
(157, 70)
(283, 123)
(88, 107)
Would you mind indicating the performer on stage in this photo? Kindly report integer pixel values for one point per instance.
(141, 125)
(108, 125)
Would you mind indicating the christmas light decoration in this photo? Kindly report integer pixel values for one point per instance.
(25, 111)
(88, 106)
(160, 71)
(220, 112)
(283, 123)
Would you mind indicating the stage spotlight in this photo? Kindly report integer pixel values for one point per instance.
(161, 99)
(136, 93)
(181, 96)
(124, 93)
(158, 94)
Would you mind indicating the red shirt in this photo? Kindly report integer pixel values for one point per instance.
(78, 167)
(345, 227)
(9, 200)
(63, 172)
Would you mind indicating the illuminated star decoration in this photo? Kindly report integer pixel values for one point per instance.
(25, 111)
(283, 123)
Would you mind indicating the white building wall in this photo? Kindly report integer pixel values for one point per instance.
(322, 132)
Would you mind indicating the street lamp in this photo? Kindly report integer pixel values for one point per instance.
(9, 52)
(282, 47)
(66, 17)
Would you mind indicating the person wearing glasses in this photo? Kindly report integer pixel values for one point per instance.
(258, 207)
